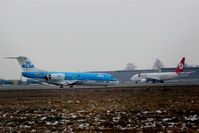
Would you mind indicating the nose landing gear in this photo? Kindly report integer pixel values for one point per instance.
(61, 86)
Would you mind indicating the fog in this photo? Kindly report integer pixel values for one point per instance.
(95, 35)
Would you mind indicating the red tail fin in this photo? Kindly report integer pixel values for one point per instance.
(180, 67)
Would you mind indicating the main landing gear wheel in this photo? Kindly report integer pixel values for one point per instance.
(71, 86)
(61, 86)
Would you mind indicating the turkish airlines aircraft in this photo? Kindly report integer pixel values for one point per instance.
(161, 76)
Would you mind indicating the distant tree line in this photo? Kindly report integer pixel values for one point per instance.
(157, 65)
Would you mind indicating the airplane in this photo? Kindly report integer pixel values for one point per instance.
(62, 79)
(161, 76)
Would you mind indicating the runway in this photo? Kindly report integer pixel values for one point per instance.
(127, 85)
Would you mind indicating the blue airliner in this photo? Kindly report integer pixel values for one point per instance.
(64, 78)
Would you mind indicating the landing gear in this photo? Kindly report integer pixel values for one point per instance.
(161, 81)
(71, 86)
(61, 86)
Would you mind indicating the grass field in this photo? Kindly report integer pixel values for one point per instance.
(126, 109)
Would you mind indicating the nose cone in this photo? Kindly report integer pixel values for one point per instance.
(133, 78)
(116, 82)
(114, 79)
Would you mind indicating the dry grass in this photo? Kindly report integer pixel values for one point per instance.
(151, 109)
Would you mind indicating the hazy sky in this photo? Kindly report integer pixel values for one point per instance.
(89, 35)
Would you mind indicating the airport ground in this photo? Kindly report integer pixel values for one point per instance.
(139, 108)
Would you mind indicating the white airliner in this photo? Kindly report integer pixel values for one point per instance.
(161, 76)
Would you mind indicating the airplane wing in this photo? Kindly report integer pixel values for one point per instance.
(62, 82)
(73, 82)
(186, 73)
(152, 78)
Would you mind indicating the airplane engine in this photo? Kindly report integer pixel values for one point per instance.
(54, 77)
(144, 80)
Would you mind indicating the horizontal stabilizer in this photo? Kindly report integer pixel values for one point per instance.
(25, 63)
(10, 57)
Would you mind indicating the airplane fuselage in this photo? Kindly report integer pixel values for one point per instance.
(76, 78)
(162, 76)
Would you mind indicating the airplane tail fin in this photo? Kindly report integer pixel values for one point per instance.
(180, 67)
(25, 63)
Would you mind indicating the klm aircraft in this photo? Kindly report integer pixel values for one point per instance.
(64, 78)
